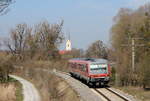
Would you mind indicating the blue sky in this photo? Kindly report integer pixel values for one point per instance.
(85, 20)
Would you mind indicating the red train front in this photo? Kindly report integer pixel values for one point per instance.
(90, 70)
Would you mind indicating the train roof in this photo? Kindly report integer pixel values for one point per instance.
(90, 60)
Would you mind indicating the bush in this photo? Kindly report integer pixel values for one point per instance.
(113, 75)
(6, 67)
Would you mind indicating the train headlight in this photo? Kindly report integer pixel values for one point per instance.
(106, 78)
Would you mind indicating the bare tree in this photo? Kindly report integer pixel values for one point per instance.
(49, 37)
(17, 43)
(42, 43)
(132, 24)
(97, 50)
(4, 6)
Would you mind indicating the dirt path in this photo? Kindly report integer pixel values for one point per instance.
(29, 91)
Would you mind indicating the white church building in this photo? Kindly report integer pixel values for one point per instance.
(68, 45)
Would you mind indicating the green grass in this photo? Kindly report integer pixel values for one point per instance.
(18, 85)
(139, 93)
(10, 79)
(19, 95)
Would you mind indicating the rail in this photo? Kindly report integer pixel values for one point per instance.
(112, 91)
(124, 98)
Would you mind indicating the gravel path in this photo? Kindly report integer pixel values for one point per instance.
(29, 91)
(84, 91)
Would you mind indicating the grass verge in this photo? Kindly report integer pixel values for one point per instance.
(54, 88)
(18, 93)
(137, 92)
(11, 90)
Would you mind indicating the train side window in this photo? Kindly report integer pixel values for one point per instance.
(84, 68)
(69, 65)
(78, 66)
(81, 67)
(75, 65)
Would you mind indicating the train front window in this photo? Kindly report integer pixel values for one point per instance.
(98, 68)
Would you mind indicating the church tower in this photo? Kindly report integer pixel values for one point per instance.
(68, 45)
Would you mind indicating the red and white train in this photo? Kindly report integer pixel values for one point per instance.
(90, 70)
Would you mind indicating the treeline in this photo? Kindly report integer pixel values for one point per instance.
(39, 42)
(6, 67)
(97, 49)
(132, 25)
(30, 43)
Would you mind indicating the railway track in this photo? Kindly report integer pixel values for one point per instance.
(110, 95)
(107, 93)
